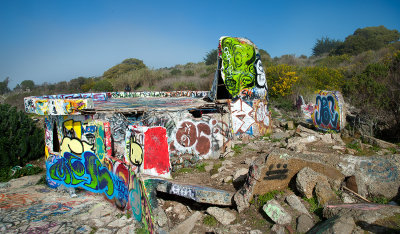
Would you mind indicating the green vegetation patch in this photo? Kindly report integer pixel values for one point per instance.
(263, 199)
(7, 174)
(210, 221)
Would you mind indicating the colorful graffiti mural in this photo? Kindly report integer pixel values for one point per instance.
(250, 116)
(327, 113)
(241, 67)
(109, 143)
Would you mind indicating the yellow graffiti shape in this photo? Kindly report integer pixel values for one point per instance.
(136, 152)
(75, 146)
(76, 126)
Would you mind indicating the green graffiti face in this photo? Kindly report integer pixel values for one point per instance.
(238, 58)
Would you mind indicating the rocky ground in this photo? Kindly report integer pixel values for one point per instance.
(300, 180)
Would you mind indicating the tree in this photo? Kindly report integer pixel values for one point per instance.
(127, 65)
(27, 84)
(369, 38)
(325, 45)
(21, 141)
(211, 57)
(102, 86)
(265, 56)
(4, 86)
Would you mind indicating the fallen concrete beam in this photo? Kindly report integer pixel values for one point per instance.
(195, 192)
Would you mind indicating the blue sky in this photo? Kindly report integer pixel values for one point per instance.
(51, 41)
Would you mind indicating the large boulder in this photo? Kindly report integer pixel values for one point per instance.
(306, 180)
(374, 176)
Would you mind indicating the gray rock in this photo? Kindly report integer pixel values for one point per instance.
(306, 180)
(130, 229)
(228, 179)
(276, 212)
(160, 216)
(209, 167)
(255, 231)
(240, 173)
(278, 229)
(103, 231)
(304, 223)
(223, 216)
(279, 135)
(119, 223)
(290, 125)
(295, 202)
(366, 212)
(187, 226)
(346, 198)
(324, 193)
(337, 224)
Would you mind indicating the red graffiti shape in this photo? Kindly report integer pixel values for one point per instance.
(156, 150)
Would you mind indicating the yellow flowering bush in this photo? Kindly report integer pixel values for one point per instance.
(280, 79)
(312, 79)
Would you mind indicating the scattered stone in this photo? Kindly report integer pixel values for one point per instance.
(346, 198)
(278, 229)
(290, 125)
(228, 154)
(221, 169)
(337, 224)
(276, 212)
(245, 139)
(306, 180)
(324, 193)
(186, 226)
(255, 231)
(209, 167)
(180, 210)
(160, 216)
(339, 147)
(119, 223)
(366, 212)
(223, 216)
(304, 223)
(130, 229)
(227, 179)
(295, 202)
(253, 146)
(279, 135)
(374, 141)
(215, 176)
(104, 231)
(242, 172)
(227, 163)
(327, 138)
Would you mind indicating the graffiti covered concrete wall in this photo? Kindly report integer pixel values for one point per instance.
(241, 69)
(110, 143)
(328, 112)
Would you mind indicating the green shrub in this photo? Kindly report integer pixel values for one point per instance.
(175, 72)
(7, 174)
(189, 73)
(20, 141)
(262, 199)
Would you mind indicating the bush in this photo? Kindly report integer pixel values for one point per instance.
(312, 79)
(280, 79)
(189, 73)
(21, 141)
(102, 86)
(175, 72)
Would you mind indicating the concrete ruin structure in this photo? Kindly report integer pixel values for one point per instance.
(125, 144)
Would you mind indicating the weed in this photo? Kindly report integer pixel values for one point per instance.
(354, 145)
(237, 149)
(42, 180)
(141, 230)
(315, 207)
(128, 214)
(392, 150)
(262, 199)
(210, 221)
(215, 168)
(201, 167)
(184, 170)
(379, 199)
(94, 230)
(274, 113)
